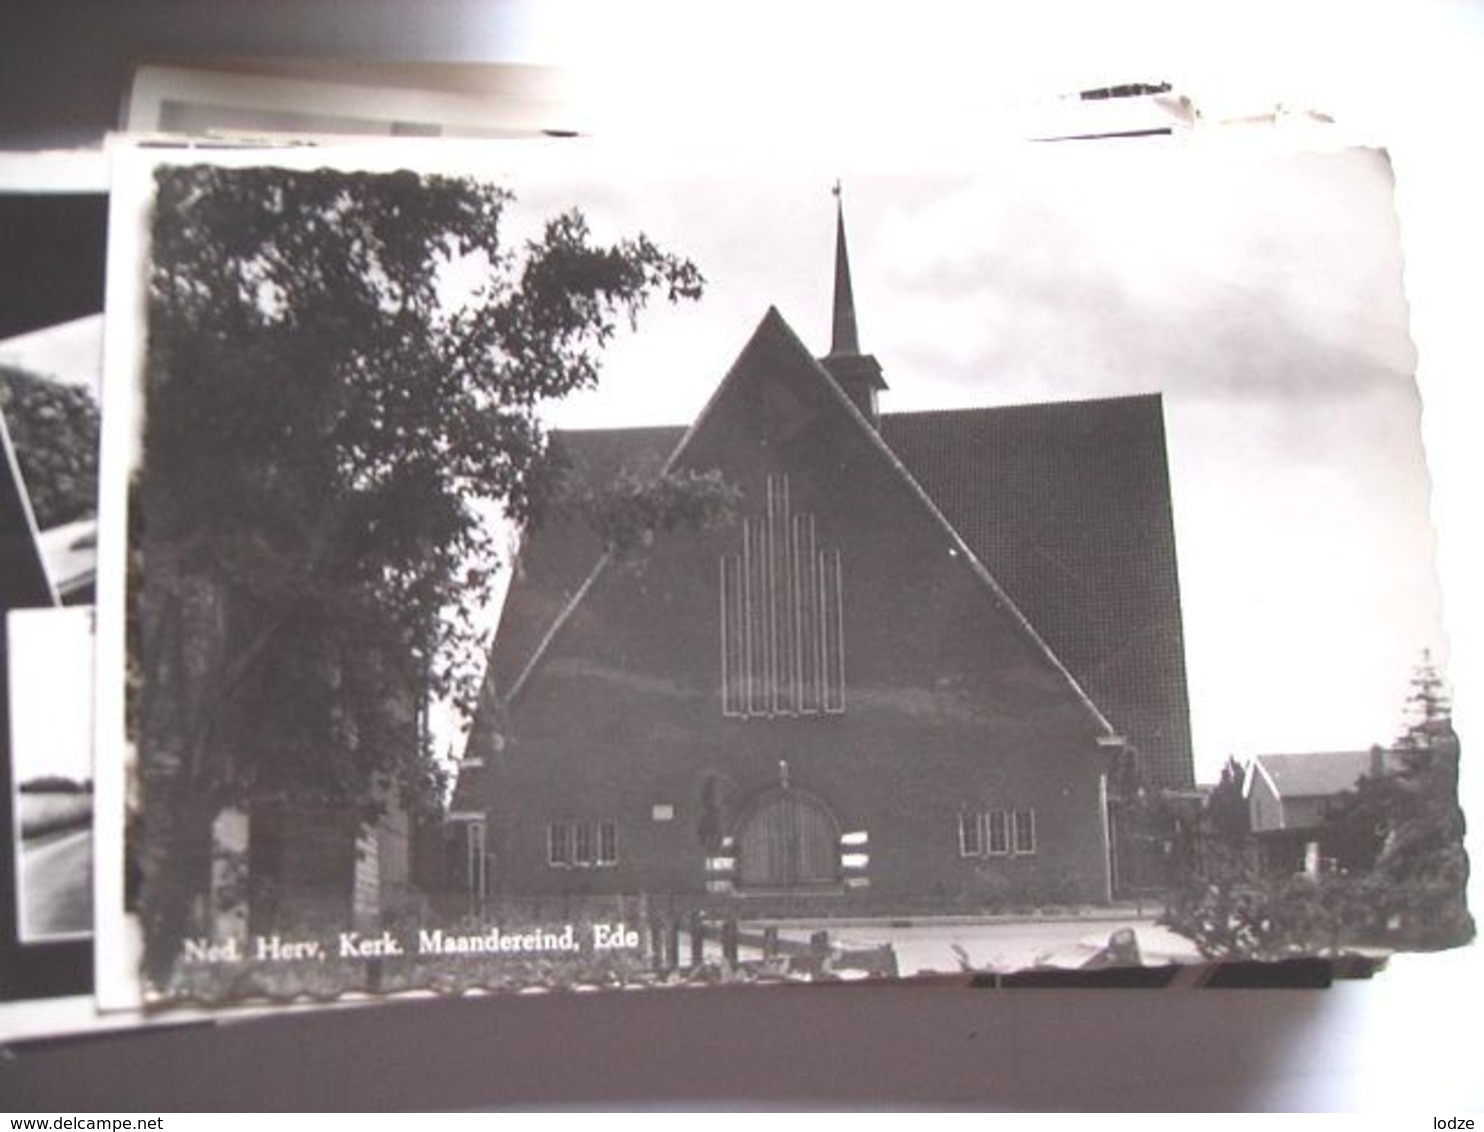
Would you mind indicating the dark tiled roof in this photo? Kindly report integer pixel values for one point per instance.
(557, 556)
(1067, 505)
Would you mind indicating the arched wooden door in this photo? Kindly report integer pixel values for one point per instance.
(789, 840)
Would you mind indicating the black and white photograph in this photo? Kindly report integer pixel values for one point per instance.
(591, 572)
(51, 735)
(49, 395)
(52, 236)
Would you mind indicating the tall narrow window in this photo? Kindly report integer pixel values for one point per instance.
(832, 652)
(805, 559)
(733, 637)
(782, 617)
(759, 606)
(783, 636)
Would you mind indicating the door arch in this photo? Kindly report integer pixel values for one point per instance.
(788, 839)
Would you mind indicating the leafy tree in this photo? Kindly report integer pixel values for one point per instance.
(54, 428)
(1165, 836)
(628, 511)
(1219, 899)
(328, 411)
(1406, 886)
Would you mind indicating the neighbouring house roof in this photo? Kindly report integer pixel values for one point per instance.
(1317, 774)
(1065, 505)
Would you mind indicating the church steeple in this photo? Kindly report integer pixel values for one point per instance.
(859, 375)
(844, 338)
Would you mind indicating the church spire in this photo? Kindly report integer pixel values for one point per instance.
(859, 375)
(844, 338)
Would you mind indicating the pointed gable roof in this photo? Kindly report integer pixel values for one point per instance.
(557, 557)
(540, 602)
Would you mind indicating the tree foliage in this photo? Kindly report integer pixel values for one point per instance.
(1402, 831)
(1410, 817)
(1233, 908)
(328, 411)
(1226, 808)
(629, 511)
(1427, 722)
(54, 428)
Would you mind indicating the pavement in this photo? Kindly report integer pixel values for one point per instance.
(999, 943)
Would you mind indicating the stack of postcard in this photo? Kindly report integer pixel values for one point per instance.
(555, 565)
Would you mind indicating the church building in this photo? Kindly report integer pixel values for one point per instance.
(906, 676)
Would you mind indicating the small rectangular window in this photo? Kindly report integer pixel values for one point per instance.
(558, 845)
(971, 835)
(999, 832)
(1025, 831)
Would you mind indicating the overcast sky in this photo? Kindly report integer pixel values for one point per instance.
(1261, 295)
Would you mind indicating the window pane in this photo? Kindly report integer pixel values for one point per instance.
(582, 847)
(971, 835)
(607, 843)
(999, 831)
(558, 847)
(1025, 831)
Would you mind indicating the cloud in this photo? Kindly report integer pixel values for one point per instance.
(1212, 282)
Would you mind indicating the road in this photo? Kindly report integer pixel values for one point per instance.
(56, 878)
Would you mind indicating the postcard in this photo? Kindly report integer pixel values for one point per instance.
(52, 246)
(297, 100)
(553, 568)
